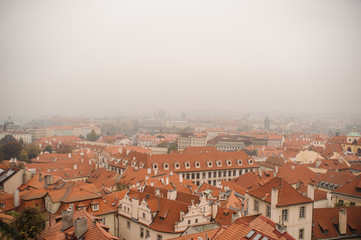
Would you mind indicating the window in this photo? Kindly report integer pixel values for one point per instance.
(197, 165)
(284, 215)
(239, 162)
(141, 232)
(176, 165)
(196, 221)
(159, 237)
(352, 204)
(340, 202)
(128, 225)
(209, 174)
(155, 165)
(301, 234)
(268, 212)
(214, 174)
(224, 174)
(103, 221)
(143, 215)
(302, 212)
(189, 221)
(256, 205)
(95, 207)
(2, 204)
(147, 235)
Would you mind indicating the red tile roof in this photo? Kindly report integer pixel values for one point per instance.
(287, 195)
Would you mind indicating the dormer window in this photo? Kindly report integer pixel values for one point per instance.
(176, 165)
(250, 162)
(209, 163)
(141, 165)
(155, 166)
(133, 163)
(187, 164)
(229, 162)
(95, 206)
(197, 164)
(166, 166)
(219, 163)
(239, 162)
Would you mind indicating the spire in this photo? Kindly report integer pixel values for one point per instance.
(337, 131)
(354, 126)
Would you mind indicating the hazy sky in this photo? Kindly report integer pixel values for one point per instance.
(109, 57)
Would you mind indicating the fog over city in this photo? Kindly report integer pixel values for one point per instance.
(97, 58)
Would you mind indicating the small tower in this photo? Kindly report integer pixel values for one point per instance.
(337, 131)
(266, 123)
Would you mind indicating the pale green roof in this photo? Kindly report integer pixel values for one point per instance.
(353, 134)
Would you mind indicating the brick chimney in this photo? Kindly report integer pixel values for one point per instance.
(310, 192)
(135, 206)
(80, 227)
(67, 219)
(342, 221)
(16, 198)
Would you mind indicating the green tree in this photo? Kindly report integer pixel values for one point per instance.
(10, 150)
(173, 147)
(64, 149)
(32, 150)
(48, 149)
(9, 232)
(31, 222)
(92, 136)
(6, 139)
(82, 137)
(23, 156)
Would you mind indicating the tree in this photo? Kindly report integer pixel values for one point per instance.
(173, 147)
(31, 222)
(48, 149)
(64, 149)
(6, 139)
(92, 136)
(32, 150)
(82, 137)
(10, 150)
(23, 156)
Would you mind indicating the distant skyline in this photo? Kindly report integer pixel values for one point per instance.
(98, 58)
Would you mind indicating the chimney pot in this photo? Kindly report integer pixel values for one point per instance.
(342, 221)
(67, 219)
(80, 227)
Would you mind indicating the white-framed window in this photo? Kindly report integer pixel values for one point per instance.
(166, 166)
(197, 164)
(147, 234)
(219, 163)
(209, 163)
(302, 212)
(284, 215)
(301, 233)
(176, 165)
(268, 212)
(239, 162)
(95, 207)
(187, 164)
(256, 205)
(141, 232)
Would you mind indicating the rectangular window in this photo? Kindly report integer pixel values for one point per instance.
(284, 215)
(159, 237)
(128, 225)
(209, 174)
(268, 213)
(302, 212)
(196, 221)
(143, 215)
(352, 204)
(256, 205)
(103, 221)
(147, 235)
(301, 234)
(141, 232)
(224, 174)
(189, 221)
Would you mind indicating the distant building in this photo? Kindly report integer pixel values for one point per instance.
(267, 123)
(192, 140)
(17, 134)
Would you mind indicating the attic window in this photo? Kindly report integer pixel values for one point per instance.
(197, 164)
(239, 162)
(95, 207)
(187, 164)
(166, 166)
(219, 163)
(176, 165)
(209, 163)
(250, 162)
(229, 162)
(155, 165)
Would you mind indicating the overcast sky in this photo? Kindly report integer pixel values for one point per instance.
(118, 57)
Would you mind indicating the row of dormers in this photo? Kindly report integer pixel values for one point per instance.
(197, 164)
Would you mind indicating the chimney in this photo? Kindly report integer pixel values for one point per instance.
(49, 179)
(155, 171)
(260, 173)
(40, 177)
(342, 221)
(134, 210)
(167, 180)
(214, 211)
(149, 171)
(75, 166)
(157, 192)
(318, 163)
(181, 177)
(171, 173)
(69, 155)
(67, 219)
(310, 192)
(274, 197)
(16, 198)
(80, 227)
(172, 194)
(275, 171)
